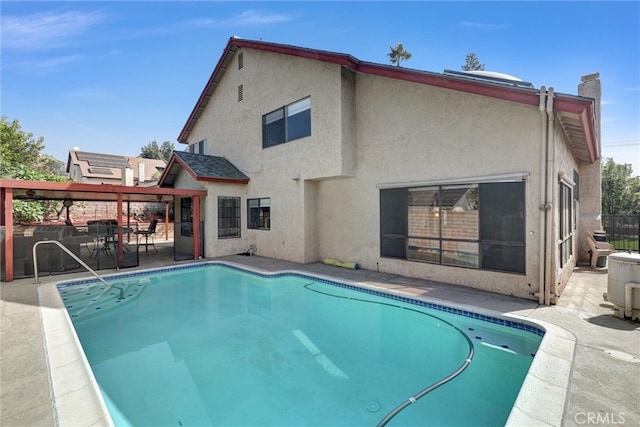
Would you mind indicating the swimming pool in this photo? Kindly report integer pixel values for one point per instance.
(213, 345)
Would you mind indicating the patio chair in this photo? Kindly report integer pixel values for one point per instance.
(149, 232)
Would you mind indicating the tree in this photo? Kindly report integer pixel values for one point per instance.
(472, 63)
(20, 158)
(620, 189)
(17, 147)
(153, 151)
(398, 54)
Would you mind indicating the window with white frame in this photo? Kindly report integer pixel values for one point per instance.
(228, 217)
(287, 123)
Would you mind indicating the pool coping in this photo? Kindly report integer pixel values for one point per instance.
(77, 399)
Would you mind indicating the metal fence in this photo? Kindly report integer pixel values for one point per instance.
(623, 231)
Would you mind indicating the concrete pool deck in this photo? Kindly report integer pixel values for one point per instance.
(602, 384)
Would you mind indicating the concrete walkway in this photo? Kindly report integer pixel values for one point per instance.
(604, 384)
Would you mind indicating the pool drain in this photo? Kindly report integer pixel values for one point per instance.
(373, 406)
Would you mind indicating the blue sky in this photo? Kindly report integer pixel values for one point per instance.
(110, 77)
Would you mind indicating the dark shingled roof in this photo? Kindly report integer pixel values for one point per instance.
(203, 168)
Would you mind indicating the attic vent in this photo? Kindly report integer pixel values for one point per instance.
(101, 171)
(240, 92)
(240, 60)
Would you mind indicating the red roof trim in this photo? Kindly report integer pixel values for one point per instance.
(166, 170)
(95, 188)
(227, 180)
(423, 77)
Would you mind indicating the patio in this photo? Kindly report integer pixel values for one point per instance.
(604, 378)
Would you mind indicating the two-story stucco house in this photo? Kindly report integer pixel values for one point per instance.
(480, 180)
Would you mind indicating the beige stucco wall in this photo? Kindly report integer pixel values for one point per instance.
(270, 81)
(213, 244)
(438, 134)
(233, 129)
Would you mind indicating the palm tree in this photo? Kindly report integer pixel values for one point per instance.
(398, 54)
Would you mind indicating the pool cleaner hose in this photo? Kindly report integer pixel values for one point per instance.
(427, 390)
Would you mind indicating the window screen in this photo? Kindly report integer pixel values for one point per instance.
(393, 222)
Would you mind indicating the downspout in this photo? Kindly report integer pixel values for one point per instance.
(549, 197)
(543, 198)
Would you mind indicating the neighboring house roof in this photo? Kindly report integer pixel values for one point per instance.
(152, 167)
(201, 167)
(576, 114)
(109, 166)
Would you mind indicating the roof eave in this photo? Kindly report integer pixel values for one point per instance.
(584, 109)
(224, 180)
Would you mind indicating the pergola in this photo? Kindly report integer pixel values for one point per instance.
(15, 189)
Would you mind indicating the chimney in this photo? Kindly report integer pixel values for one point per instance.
(591, 174)
(127, 177)
(140, 173)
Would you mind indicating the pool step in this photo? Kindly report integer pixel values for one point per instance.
(86, 300)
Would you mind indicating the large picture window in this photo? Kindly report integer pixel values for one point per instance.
(259, 211)
(228, 217)
(472, 225)
(285, 124)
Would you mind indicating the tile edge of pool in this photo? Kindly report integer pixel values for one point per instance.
(541, 399)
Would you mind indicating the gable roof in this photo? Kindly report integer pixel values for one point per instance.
(201, 167)
(577, 110)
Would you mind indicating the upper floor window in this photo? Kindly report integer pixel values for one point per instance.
(199, 147)
(285, 124)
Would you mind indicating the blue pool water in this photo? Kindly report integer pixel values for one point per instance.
(214, 345)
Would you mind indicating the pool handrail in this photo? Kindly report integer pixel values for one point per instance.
(72, 255)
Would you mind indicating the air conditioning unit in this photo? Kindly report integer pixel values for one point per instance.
(623, 284)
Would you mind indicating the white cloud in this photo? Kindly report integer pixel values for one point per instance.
(254, 17)
(249, 17)
(45, 30)
(93, 94)
(48, 65)
(482, 25)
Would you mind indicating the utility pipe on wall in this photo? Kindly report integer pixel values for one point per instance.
(543, 196)
(549, 247)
